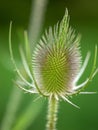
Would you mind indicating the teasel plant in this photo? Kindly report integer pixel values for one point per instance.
(54, 67)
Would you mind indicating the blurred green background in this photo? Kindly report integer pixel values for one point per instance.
(84, 18)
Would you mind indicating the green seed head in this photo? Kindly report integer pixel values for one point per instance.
(56, 59)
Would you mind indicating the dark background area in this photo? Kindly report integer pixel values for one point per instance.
(84, 18)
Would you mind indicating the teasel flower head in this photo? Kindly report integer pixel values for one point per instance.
(55, 65)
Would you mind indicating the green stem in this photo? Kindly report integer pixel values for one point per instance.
(11, 110)
(52, 114)
(36, 20)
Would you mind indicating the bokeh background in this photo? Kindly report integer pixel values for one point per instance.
(84, 18)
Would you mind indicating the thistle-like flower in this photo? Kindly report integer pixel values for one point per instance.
(55, 66)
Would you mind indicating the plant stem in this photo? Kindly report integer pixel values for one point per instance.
(52, 114)
(38, 10)
(11, 109)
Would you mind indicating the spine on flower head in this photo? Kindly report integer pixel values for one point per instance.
(64, 25)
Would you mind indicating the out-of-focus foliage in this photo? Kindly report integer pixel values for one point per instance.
(84, 18)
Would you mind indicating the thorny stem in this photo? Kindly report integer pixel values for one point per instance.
(52, 114)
